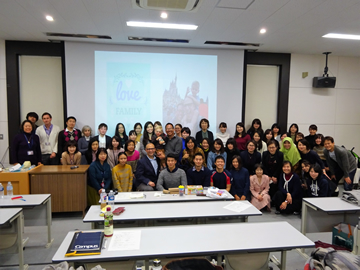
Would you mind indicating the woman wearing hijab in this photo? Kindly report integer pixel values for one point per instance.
(291, 153)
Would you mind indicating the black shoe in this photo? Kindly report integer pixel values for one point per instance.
(296, 213)
(277, 212)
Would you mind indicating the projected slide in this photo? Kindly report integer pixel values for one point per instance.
(140, 87)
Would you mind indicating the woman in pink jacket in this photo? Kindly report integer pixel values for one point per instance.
(259, 187)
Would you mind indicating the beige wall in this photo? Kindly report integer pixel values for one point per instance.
(261, 95)
(335, 111)
(3, 105)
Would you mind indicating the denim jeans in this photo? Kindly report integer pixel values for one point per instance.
(339, 174)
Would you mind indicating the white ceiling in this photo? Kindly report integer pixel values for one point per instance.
(293, 26)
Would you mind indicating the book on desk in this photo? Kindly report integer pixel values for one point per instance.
(86, 243)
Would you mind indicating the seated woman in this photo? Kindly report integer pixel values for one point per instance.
(240, 187)
(305, 177)
(288, 198)
(231, 151)
(83, 142)
(71, 156)
(26, 146)
(114, 151)
(250, 157)
(185, 132)
(92, 150)
(205, 146)
(290, 152)
(132, 137)
(223, 135)
(204, 132)
(218, 149)
(241, 137)
(268, 136)
(99, 177)
(310, 155)
(160, 154)
(318, 184)
(133, 155)
(272, 161)
(259, 187)
(122, 174)
(260, 144)
(187, 160)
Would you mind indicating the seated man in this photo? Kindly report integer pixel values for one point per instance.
(147, 170)
(172, 176)
(341, 163)
(220, 177)
(198, 175)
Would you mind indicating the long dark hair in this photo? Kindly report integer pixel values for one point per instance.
(243, 133)
(218, 141)
(117, 131)
(146, 134)
(88, 153)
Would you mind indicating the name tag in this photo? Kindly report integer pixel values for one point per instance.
(30, 153)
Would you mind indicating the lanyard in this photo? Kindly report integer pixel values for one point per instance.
(29, 142)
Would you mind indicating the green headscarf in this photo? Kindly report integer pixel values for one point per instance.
(292, 154)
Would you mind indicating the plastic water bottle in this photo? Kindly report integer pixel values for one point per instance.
(108, 222)
(103, 196)
(1, 191)
(9, 189)
(111, 199)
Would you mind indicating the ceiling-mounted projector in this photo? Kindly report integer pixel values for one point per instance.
(325, 81)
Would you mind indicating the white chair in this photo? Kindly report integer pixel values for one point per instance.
(248, 261)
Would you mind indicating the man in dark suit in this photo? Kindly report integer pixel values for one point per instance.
(147, 170)
(104, 140)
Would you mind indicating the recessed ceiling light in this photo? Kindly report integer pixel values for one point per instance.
(163, 15)
(49, 18)
(163, 25)
(262, 31)
(342, 36)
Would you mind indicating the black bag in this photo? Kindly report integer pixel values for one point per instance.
(191, 264)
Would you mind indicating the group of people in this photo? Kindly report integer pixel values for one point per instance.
(267, 168)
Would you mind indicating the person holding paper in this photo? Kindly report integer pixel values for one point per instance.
(173, 176)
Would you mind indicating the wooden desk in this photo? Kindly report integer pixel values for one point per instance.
(68, 188)
(19, 180)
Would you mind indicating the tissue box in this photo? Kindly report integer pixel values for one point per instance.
(193, 190)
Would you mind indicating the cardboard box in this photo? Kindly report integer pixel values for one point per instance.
(193, 190)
